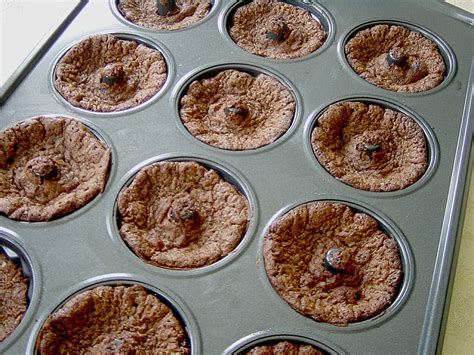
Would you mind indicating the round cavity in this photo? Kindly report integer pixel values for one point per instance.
(372, 145)
(398, 56)
(237, 107)
(60, 164)
(279, 344)
(120, 315)
(162, 15)
(17, 288)
(337, 262)
(184, 213)
(111, 73)
(279, 29)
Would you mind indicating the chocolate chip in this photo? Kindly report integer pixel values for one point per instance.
(165, 6)
(371, 148)
(111, 79)
(279, 31)
(235, 111)
(332, 261)
(395, 57)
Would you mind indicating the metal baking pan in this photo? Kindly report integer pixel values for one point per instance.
(231, 305)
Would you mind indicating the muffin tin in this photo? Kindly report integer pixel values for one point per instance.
(231, 305)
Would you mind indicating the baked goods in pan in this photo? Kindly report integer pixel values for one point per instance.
(396, 58)
(105, 73)
(370, 147)
(284, 347)
(181, 215)
(13, 296)
(113, 320)
(276, 29)
(332, 263)
(235, 110)
(164, 15)
(49, 167)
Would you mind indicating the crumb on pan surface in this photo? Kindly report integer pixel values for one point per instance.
(275, 29)
(49, 167)
(181, 215)
(370, 147)
(235, 110)
(369, 266)
(13, 296)
(284, 347)
(396, 58)
(113, 319)
(104, 73)
(144, 13)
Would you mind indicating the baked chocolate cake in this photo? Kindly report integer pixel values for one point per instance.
(396, 58)
(370, 147)
(164, 15)
(234, 110)
(331, 263)
(13, 296)
(181, 215)
(105, 73)
(284, 347)
(49, 167)
(276, 29)
(113, 320)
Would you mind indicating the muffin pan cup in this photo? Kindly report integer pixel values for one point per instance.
(13, 248)
(181, 313)
(234, 302)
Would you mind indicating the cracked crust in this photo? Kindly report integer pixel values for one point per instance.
(422, 67)
(139, 72)
(344, 128)
(295, 247)
(13, 296)
(144, 13)
(265, 110)
(110, 320)
(299, 34)
(49, 167)
(181, 215)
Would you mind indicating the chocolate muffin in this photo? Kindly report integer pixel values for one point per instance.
(165, 15)
(113, 320)
(105, 73)
(275, 29)
(235, 110)
(331, 263)
(49, 167)
(284, 347)
(396, 58)
(370, 147)
(13, 296)
(181, 215)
